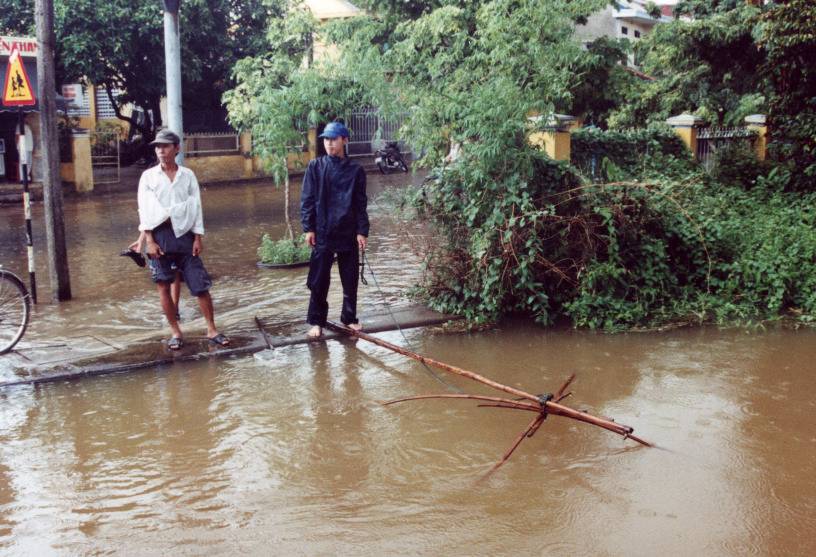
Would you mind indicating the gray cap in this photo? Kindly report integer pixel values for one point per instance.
(166, 137)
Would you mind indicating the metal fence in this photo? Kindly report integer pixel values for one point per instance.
(105, 157)
(370, 131)
(208, 144)
(710, 141)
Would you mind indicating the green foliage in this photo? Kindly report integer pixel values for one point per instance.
(616, 256)
(284, 251)
(119, 44)
(520, 233)
(708, 65)
(787, 32)
(624, 155)
(278, 98)
(736, 165)
(471, 72)
(699, 252)
(653, 10)
(17, 18)
(504, 245)
(603, 81)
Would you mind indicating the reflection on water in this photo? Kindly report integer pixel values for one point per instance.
(115, 302)
(221, 457)
(289, 453)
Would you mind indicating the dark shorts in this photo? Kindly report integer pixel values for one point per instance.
(178, 256)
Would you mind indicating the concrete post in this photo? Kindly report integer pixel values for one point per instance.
(245, 142)
(83, 169)
(554, 139)
(59, 275)
(756, 122)
(172, 57)
(312, 136)
(686, 125)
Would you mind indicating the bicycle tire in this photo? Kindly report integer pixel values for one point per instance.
(15, 310)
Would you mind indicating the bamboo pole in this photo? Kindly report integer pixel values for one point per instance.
(545, 407)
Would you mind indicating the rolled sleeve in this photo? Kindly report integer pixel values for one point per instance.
(195, 192)
(151, 213)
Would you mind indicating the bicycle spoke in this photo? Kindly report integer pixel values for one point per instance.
(14, 308)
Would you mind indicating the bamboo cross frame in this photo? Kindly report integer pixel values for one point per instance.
(540, 405)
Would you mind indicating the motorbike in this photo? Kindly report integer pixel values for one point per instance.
(389, 158)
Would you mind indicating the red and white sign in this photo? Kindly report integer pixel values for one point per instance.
(27, 46)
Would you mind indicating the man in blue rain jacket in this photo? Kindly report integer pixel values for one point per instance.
(335, 221)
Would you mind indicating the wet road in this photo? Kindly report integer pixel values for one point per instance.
(115, 303)
(289, 452)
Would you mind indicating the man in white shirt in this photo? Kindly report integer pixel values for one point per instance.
(171, 217)
(25, 147)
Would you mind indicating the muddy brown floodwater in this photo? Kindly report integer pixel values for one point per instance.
(290, 453)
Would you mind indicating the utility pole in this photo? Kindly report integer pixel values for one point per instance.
(52, 184)
(172, 60)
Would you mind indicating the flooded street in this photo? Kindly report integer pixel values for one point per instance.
(289, 452)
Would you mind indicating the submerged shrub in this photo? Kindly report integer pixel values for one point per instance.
(535, 240)
(284, 251)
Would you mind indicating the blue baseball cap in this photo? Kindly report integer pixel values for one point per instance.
(334, 129)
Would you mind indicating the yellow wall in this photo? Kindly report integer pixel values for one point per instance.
(555, 143)
(219, 168)
(83, 170)
(689, 137)
(761, 141)
(67, 172)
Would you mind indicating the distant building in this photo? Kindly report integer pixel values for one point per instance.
(629, 20)
(326, 10)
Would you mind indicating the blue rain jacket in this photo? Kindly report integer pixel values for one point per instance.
(333, 202)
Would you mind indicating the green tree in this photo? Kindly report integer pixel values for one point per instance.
(279, 94)
(603, 81)
(787, 32)
(709, 65)
(17, 18)
(119, 45)
(473, 75)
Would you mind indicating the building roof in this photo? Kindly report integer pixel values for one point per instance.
(332, 9)
(635, 12)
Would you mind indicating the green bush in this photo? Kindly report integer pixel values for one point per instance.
(284, 251)
(706, 253)
(614, 155)
(737, 165)
(618, 255)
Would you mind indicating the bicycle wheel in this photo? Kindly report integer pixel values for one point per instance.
(14, 310)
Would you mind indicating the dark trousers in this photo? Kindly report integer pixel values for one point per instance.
(320, 264)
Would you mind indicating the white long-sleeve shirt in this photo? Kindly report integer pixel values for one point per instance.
(180, 201)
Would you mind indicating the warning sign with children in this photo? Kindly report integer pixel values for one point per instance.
(17, 89)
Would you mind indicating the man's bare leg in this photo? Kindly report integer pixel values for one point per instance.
(206, 305)
(168, 307)
(175, 292)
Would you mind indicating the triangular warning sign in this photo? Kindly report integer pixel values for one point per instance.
(17, 89)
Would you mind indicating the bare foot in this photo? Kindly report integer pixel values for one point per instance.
(315, 332)
(355, 326)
